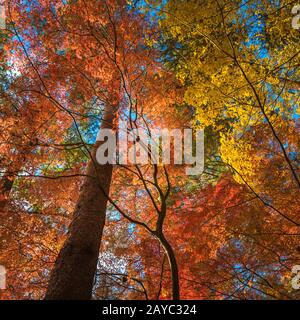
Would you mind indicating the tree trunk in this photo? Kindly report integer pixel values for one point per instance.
(73, 274)
(8, 180)
(6, 219)
(6, 185)
(173, 266)
(13, 169)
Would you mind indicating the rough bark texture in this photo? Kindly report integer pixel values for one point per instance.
(75, 267)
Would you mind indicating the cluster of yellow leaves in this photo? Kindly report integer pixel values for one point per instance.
(234, 79)
(240, 155)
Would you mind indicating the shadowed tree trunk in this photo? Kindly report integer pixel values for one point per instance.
(8, 179)
(6, 185)
(9, 219)
(173, 266)
(75, 267)
(159, 234)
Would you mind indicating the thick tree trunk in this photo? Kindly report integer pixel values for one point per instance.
(173, 266)
(75, 267)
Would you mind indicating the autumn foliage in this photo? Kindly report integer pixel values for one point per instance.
(72, 68)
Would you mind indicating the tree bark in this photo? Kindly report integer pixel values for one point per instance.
(6, 185)
(72, 277)
(8, 179)
(173, 266)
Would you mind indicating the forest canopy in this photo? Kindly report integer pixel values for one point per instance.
(74, 228)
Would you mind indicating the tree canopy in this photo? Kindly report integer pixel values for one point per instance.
(69, 70)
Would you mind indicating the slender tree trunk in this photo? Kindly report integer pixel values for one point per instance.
(6, 185)
(75, 267)
(8, 179)
(173, 266)
(9, 219)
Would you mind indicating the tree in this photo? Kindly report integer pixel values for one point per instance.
(73, 68)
